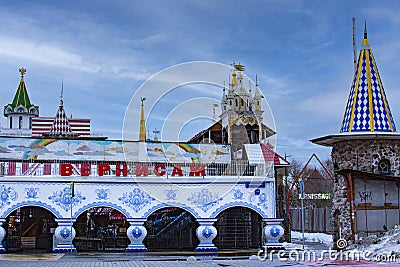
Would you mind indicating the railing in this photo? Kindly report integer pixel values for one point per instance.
(173, 226)
(133, 169)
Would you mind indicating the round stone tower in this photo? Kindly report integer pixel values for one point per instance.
(365, 155)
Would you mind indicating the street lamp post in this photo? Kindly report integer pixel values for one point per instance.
(302, 209)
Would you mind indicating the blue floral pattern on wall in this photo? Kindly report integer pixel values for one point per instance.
(102, 194)
(237, 194)
(136, 199)
(32, 192)
(170, 194)
(263, 200)
(7, 194)
(63, 198)
(204, 199)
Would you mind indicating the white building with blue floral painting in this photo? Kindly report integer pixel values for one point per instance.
(65, 192)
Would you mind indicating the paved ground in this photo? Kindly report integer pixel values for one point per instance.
(123, 260)
(224, 259)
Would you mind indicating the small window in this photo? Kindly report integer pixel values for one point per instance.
(20, 122)
(11, 119)
(384, 166)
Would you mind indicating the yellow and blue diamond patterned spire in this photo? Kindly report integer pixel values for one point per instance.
(367, 108)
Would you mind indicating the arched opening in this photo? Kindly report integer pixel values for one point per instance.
(238, 228)
(384, 166)
(20, 122)
(30, 228)
(171, 228)
(101, 229)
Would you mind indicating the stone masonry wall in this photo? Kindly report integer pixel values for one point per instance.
(362, 155)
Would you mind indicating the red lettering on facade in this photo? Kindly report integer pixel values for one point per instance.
(85, 169)
(66, 169)
(102, 169)
(123, 170)
(142, 169)
(157, 170)
(197, 170)
(177, 170)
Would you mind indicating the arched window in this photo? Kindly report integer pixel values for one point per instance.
(30, 123)
(20, 122)
(384, 166)
(236, 102)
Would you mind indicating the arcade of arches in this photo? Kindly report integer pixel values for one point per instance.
(104, 229)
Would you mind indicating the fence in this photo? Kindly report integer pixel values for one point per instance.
(315, 219)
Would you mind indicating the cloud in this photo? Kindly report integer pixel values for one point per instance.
(43, 53)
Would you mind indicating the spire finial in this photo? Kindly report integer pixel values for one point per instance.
(62, 92)
(256, 80)
(142, 129)
(365, 30)
(365, 42)
(22, 71)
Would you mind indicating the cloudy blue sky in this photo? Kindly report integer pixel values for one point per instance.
(104, 50)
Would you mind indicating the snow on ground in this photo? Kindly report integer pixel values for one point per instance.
(313, 237)
(388, 244)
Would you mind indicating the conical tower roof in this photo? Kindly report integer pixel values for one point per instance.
(21, 98)
(61, 126)
(367, 107)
